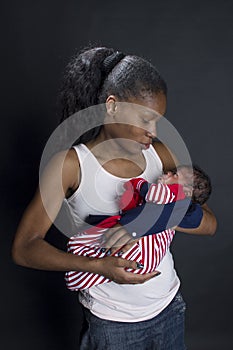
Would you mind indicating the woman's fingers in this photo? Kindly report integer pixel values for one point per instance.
(115, 238)
(114, 269)
(133, 278)
(139, 279)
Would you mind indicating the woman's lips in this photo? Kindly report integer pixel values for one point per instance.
(146, 145)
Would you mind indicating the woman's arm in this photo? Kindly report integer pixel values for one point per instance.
(208, 225)
(30, 248)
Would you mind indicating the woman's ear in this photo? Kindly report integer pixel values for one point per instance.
(111, 105)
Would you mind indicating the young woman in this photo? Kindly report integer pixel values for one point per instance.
(134, 311)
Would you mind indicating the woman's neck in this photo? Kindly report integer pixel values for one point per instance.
(115, 159)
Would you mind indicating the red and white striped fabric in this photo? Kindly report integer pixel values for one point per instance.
(149, 250)
(158, 193)
(162, 194)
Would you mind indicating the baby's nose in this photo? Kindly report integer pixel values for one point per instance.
(170, 174)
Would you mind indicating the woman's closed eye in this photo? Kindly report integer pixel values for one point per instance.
(145, 121)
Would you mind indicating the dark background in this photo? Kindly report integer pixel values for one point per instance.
(191, 43)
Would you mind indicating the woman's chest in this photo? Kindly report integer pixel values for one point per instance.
(124, 168)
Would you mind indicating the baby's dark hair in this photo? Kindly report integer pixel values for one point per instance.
(202, 187)
(95, 73)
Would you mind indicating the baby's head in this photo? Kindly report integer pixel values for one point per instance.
(196, 183)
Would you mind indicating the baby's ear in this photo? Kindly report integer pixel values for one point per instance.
(188, 191)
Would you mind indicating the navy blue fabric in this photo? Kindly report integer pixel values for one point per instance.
(144, 189)
(150, 218)
(193, 216)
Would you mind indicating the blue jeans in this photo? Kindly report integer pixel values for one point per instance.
(163, 332)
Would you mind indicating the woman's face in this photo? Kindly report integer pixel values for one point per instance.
(132, 124)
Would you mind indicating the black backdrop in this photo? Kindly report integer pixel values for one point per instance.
(191, 44)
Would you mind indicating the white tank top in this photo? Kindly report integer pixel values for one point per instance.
(98, 193)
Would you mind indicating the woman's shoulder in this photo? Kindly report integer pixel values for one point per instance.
(71, 164)
(68, 158)
(66, 163)
(72, 169)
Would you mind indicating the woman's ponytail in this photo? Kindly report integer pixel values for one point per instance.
(82, 81)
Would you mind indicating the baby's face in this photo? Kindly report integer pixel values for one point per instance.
(183, 176)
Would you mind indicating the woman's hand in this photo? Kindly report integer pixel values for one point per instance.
(114, 269)
(115, 238)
